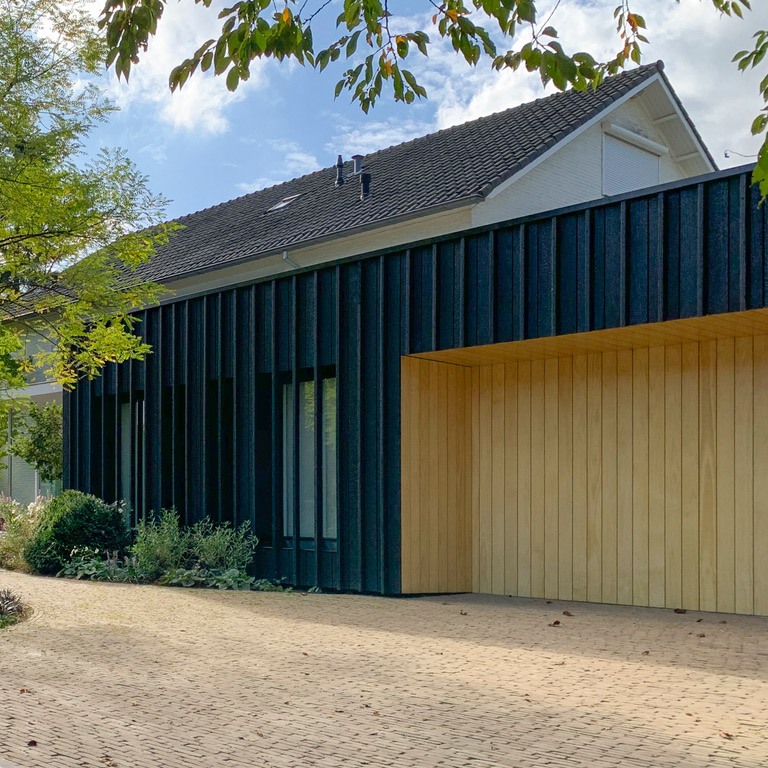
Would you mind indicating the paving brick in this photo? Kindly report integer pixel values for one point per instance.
(140, 677)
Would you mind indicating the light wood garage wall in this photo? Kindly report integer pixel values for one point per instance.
(637, 476)
(436, 500)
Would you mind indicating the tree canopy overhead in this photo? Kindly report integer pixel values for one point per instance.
(73, 227)
(376, 40)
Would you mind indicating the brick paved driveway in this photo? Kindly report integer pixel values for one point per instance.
(142, 676)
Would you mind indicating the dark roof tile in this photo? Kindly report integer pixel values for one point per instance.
(453, 166)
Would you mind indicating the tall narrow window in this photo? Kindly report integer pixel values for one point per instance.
(126, 486)
(330, 498)
(300, 459)
(132, 457)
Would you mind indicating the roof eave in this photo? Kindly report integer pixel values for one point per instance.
(419, 213)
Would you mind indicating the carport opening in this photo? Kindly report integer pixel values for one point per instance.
(619, 466)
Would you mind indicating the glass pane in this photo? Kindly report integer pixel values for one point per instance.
(23, 481)
(125, 452)
(307, 458)
(49, 489)
(305, 432)
(330, 497)
(306, 438)
(288, 460)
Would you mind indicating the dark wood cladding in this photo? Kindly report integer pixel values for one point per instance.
(211, 390)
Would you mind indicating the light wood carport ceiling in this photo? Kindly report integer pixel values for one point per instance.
(731, 325)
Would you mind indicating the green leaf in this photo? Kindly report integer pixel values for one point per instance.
(233, 79)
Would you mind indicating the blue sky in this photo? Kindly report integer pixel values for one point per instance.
(205, 145)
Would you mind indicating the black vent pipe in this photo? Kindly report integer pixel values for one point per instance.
(340, 172)
(365, 185)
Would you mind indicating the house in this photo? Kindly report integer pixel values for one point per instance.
(18, 479)
(518, 356)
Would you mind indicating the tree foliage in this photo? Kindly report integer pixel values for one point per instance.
(379, 44)
(40, 442)
(72, 227)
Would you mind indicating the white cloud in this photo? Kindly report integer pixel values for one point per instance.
(154, 151)
(367, 137)
(260, 183)
(296, 161)
(290, 161)
(201, 105)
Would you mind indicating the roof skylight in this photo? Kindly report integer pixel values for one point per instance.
(284, 203)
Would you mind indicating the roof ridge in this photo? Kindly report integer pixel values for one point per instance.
(652, 66)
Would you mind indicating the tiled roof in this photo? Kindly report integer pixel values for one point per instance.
(454, 166)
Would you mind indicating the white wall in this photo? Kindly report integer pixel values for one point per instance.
(17, 478)
(574, 173)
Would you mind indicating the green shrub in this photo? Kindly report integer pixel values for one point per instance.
(87, 563)
(219, 578)
(221, 546)
(17, 530)
(161, 545)
(74, 520)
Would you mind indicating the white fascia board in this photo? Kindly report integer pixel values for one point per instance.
(598, 118)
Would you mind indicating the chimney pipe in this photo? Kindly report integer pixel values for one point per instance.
(358, 161)
(365, 185)
(340, 172)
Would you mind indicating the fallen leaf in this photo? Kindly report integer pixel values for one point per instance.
(304, 653)
(31, 743)
(698, 621)
(723, 622)
(555, 623)
(726, 735)
(680, 610)
(646, 653)
(549, 602)
(463, 613)
(701, 634)
(376, 714)
(567, 613)
(690, 714)
(23, 690)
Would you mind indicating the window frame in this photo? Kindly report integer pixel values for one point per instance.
(291, 459)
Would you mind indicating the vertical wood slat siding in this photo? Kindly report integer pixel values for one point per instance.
(435, 435)
(661, 429)
(529, 278)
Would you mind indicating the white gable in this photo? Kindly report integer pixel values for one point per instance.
(626, 150)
